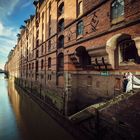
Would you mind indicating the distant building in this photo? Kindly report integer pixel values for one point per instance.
(77, 50)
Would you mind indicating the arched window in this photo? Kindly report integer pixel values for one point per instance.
(128, 51)
(61, 25)
(61, 42)
(37, 53)
(36, 66)
(84, 58)
(42, 64)
(80, 8)
(60, 60)
(61, 9)
(80, 28)
(117, 9)
(49, 62)
(49, 45)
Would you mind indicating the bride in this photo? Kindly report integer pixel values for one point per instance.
(133, 82)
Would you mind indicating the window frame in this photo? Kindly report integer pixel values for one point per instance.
(79, 8)
(80, 27)
(118, 17)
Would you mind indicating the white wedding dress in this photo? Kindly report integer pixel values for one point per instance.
(132, 81)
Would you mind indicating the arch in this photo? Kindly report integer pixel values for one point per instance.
(61, 25)
(36, 66)
(112, 46)
(61, 41)
(61, 9)
(84, 58)
(60, 62)
(42, 64)
(49, 62)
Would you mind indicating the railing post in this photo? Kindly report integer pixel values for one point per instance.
(97, 125)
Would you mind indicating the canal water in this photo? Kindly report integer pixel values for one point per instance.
(22, 119)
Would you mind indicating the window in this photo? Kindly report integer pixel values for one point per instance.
(128, 51)
(60, 60)
(80, 8)
(50, 6)
(84, 58)
(37, 53)
(37, 42)
(49, 45)
(80, 28)
(117, 9)
(42, 49)
(49, 19)
(61, 25)
(49, 30)
(42, 27)
(42, 63)
(37, 34)
(36, 66)
(61, 42)
(42, 38)
(61, 9)
(42, 16)
(49, 62)
(32, 65)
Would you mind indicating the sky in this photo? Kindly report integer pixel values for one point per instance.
(12, 16)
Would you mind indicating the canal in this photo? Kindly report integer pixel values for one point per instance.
(22, 119)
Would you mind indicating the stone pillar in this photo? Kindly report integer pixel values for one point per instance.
(137, 43)
(110, 49)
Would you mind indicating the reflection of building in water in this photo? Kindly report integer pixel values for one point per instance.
(32, 121)
(14, 99)
(76, 51)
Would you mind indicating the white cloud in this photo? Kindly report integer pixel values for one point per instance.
(7, 7)
(5, 46)
(9, 32)
(7, 42)
(26, 4)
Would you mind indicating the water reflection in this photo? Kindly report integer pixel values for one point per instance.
(8, 125)
(21, 118)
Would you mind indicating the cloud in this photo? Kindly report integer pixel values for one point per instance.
(7, 42)
(8, 32)
(7, 7)
(5, 46)
(26, 4)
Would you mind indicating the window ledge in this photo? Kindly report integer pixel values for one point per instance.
(117, 20)
(127, 63)
(79, 36)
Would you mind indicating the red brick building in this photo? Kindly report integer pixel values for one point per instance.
(76, 51)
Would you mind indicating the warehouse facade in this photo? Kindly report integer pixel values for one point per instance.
(74, 53)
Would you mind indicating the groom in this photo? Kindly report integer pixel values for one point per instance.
(125, 81)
